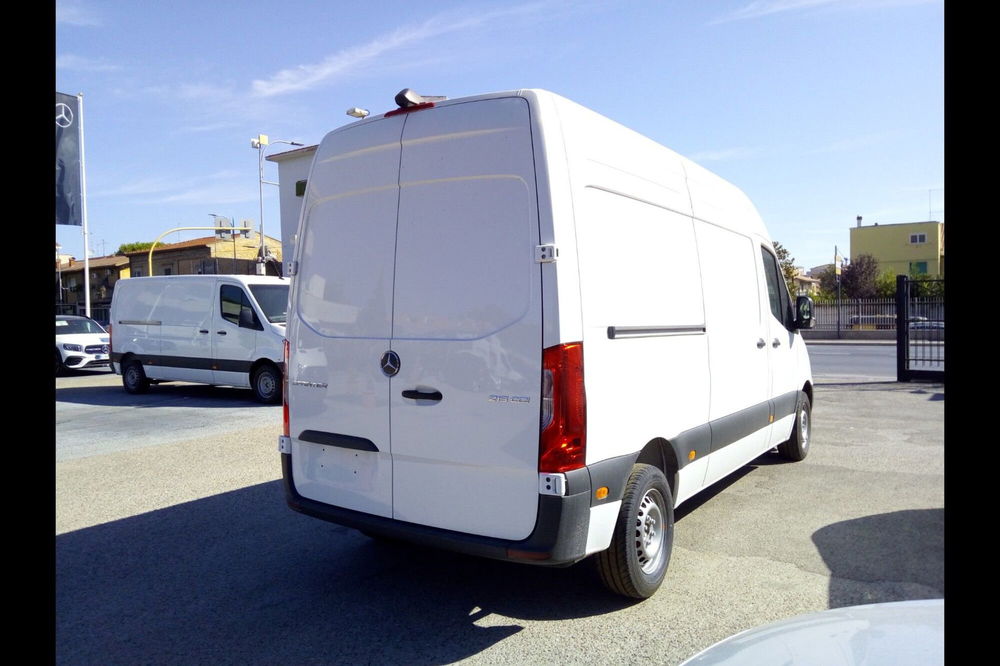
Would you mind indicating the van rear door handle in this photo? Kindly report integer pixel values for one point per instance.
(422, 395)
(204, 330)
(776, 343)
(761, 343)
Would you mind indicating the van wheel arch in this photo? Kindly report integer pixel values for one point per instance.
(265, 381)
(660, 453)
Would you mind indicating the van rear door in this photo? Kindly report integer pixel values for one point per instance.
(467, 322)
(416, 368)
(343, 319)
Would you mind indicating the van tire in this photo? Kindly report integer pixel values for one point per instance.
(266, 384)
(797, 446)
(636, 562)
(60, 368)
(134, 377)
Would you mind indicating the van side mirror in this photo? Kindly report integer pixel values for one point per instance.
(248, 319)
(804, 312)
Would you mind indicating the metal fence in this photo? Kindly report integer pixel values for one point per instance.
(864, 314)
(920, 332)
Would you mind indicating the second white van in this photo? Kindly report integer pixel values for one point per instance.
(213, 329)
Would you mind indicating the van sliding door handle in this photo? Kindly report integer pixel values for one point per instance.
(221, 332)
(204, 330)
(776, 343)
(761, 343)
(422, 395)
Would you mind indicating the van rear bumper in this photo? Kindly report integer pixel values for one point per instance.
(559, 537)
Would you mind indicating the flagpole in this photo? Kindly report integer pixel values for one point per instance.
(83, 200)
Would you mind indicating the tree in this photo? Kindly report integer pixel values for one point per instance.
(926, 286)
(125, 248)
(885, 285)
(787, 264)
(860, 278)
(828, 284)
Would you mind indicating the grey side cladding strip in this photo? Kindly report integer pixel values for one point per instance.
(189, 362)
(720, 433)
(616, 332)
(335, 439)
(734, 427)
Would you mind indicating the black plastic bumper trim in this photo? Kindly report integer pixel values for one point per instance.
(558, 539)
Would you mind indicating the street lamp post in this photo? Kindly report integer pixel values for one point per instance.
(260, 142)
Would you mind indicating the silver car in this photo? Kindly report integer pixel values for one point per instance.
(80, 343)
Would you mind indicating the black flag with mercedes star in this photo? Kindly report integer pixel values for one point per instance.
(68, 197)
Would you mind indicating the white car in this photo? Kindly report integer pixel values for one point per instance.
(885, 634)
(80, 343)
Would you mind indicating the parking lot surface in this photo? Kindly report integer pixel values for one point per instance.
(174, 545)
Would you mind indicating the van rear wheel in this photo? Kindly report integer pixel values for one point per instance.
(134, 377)
(266, 384)
(636, 562)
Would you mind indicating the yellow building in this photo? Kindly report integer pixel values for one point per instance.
(910, 248)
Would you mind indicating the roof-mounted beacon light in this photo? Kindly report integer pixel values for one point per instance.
(355, 112)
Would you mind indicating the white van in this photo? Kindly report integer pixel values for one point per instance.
(520, 330)
(213, 329)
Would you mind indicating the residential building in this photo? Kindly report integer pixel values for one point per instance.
(104, 273)
(293, 169)
(208, 255)
(909, 248)
(804, 284)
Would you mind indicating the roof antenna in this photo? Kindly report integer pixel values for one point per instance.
(406, 98)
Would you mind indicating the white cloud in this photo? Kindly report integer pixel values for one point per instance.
(854, 144)
(348, 61)
(760, 8)
(213, 195)
(722, 155)
(73, 62)
(72, 12)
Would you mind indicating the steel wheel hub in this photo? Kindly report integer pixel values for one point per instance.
(650, 531)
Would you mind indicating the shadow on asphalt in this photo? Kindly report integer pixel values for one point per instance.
(160, 395)
(240, 578)
(884, 557)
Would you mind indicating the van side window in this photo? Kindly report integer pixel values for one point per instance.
(777, 293)
(233, 301)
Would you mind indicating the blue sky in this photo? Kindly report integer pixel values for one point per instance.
(820, 110)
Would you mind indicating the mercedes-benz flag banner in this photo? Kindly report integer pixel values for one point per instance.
(69, 202)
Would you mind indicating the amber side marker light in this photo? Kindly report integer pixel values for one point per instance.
(601, 492)
(691, 455)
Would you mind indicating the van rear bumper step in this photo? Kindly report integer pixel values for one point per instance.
(559, 537)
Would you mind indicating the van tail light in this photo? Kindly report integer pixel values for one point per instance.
(563, 438)
(284, 391)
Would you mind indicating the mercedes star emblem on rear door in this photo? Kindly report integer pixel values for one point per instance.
(390, 363)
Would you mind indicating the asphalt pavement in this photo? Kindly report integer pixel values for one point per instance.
(184, 552)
